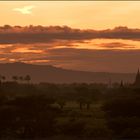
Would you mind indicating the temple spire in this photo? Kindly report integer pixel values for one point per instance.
(138, 71)
(137, 80)
(138, 74)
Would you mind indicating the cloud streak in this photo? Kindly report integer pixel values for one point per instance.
(116, 45)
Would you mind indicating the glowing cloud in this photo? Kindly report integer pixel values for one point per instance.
(25, 9)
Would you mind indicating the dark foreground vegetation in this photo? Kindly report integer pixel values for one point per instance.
(69, 111)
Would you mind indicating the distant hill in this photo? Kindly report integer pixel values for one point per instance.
(48, 73)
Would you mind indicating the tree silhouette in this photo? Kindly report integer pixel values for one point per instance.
(2, 78)
(21, 78)
(81, 102)
(61, 103)
(15, 78)
(88, 102)
(27, 78)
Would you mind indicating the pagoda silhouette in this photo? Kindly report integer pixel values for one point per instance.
(137, 79)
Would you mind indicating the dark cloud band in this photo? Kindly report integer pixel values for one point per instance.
(41, 34)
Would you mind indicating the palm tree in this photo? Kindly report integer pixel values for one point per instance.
(21, 78)
(2, 78)
(15, 78)
(27, 78)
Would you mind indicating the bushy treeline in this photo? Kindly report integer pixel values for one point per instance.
(122, 113)
(74, 111)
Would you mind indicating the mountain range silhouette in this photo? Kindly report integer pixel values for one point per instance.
(51, 74)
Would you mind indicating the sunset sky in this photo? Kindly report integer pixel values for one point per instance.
(79, 14)
(81, 35)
